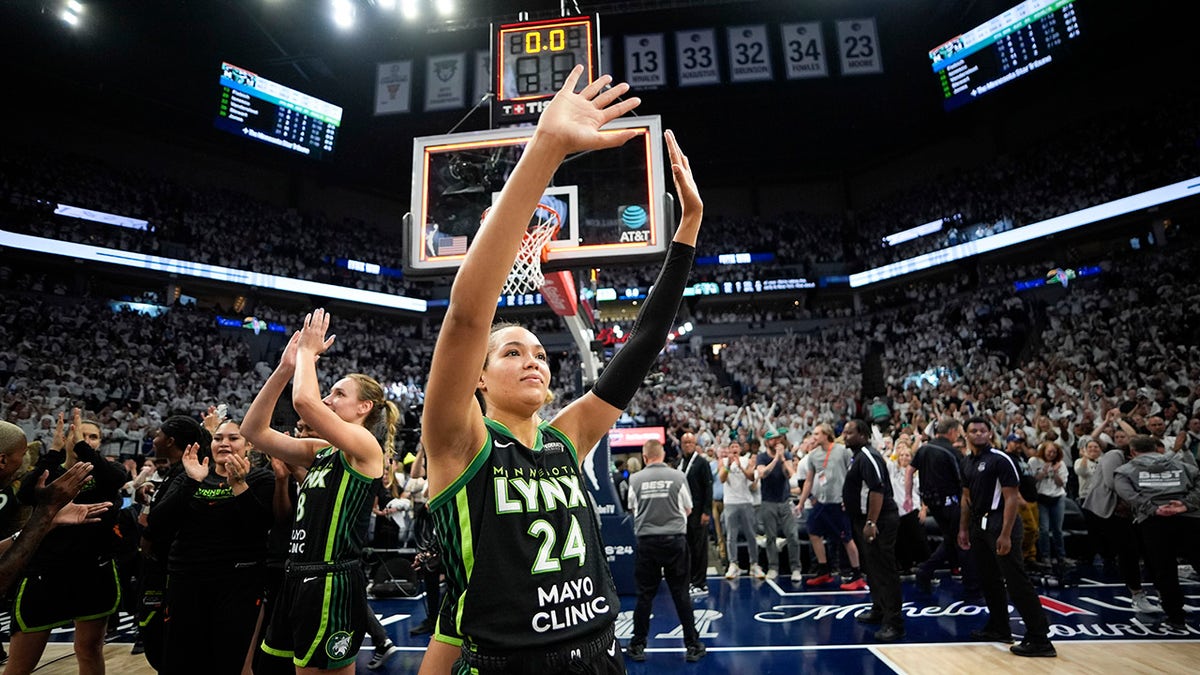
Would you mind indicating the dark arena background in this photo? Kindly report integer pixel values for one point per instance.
(913, 209)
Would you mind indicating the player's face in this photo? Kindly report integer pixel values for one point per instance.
(343, 400)
(517, 367)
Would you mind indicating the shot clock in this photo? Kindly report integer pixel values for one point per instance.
(532, 59)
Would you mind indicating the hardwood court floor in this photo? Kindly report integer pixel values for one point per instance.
(1073, 657)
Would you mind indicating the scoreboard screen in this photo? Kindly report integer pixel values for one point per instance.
(1009, 46)
(256, 108)
(532, 59)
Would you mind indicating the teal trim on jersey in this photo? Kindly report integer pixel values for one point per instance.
(108, 612)
(20, 619)
(447, 639)
(467, 551)
(500, 428)
(319, 638)
(448, 492)
(350, 467)
(282, 653)
(562, 437)
(336, 521)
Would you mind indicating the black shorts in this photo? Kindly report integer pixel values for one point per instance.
(829, 521)
(51, 598)
(598, 654)
(318, 619)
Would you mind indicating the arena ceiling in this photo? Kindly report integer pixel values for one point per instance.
(153, 65)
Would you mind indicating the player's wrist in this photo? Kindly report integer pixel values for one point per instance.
(549, 142)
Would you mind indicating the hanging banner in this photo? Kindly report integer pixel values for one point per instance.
(393, 87)
(445, 81)
(696, 55)
(803, 50)
(858, 47)
(645, 62)
(749, 56)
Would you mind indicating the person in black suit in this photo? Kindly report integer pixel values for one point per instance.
(700, 483)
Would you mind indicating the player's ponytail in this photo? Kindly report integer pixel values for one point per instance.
(391, 423)
(382, 410)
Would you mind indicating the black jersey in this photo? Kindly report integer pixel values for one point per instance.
(985, 475)
(218, 531)
(333, 511)
(868, 473)
(10, 511)
(521, 546)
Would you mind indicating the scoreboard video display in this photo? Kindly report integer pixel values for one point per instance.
(1007, 47)
(254, 107)
(532, 59)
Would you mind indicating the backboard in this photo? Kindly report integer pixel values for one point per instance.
(612, 202)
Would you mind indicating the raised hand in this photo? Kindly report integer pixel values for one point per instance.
(76, 434)
(79, 514)
(64, 488)
(212, 420)
(58, 441)
(196, 469)
(685, 184)
(312, 338)
(287, 362)
(572, 121)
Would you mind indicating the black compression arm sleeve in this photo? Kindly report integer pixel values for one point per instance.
(623, 375)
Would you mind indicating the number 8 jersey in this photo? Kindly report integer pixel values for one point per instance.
(521, 547)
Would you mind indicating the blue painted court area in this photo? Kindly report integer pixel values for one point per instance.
(779, 627)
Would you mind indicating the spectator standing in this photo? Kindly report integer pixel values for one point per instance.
(911, 545)
(700, 483)
(774, 471)
(827, 466)
(737, 472)
(1049, 469)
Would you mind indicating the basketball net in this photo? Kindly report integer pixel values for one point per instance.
(526, 274)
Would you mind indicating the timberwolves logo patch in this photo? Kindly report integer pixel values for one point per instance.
(633, 221)
(338, 645)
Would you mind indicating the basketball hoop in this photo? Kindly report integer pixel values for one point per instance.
(526, 274)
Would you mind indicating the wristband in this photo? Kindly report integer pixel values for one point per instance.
(871, 523)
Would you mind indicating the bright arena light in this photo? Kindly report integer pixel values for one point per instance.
(70, 13)
(444, 7)
(410, 9)
(343, 14)
(387, 5)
